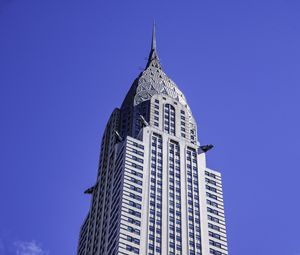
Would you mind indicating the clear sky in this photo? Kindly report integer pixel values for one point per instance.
(65, 65)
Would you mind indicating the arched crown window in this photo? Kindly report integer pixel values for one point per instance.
(169, 119)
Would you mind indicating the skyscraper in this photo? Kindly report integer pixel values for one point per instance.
(154, 194)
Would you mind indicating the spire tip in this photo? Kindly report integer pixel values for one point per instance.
(153, 47)
(153, 52)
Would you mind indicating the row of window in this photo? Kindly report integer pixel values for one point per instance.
(217, 244)
(212, 175)
(174, 200)
(155, 201)
(215, 207)
(132, 249)
(156, 113)
(193, 203)
(215, 252)
(131, 210)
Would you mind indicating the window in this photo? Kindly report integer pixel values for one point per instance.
(213, 219)
(212, 251)
(169, 119)
(133, 230)
(133, 249)
(210, 174)
(212, 211)
(210, 181)
(133, 240)
(212, 226)
(211, 195)
(212, 234)
(211, 188)
(133, 221)
(216, 244)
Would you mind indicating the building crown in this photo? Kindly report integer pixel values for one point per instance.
(154, 80)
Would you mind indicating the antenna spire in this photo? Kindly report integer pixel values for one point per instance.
(153, 46)
(153, 53)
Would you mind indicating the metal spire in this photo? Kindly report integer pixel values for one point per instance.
(153, 53)
(153, 46)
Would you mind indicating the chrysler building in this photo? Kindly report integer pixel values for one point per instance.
(154, 194)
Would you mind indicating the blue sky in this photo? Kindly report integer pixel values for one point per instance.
(65, 65)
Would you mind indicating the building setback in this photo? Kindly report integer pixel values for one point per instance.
(154, 194)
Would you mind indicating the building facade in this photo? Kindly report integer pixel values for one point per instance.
(154, 194)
